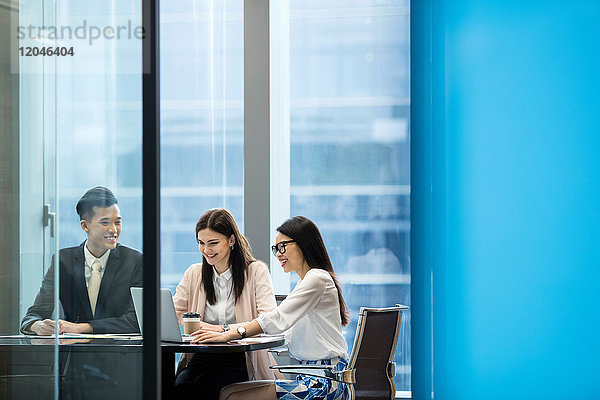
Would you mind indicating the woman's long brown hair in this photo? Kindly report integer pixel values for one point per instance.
(220, 220)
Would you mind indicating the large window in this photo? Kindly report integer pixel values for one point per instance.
(349, 154)
(202, 121)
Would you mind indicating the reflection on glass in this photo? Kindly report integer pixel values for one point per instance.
(99, 270)
(349, 119)
(80, 113)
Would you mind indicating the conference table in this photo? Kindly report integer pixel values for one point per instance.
(95, 367)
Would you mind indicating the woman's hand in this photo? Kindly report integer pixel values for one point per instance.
(209, 336)
(205, 326)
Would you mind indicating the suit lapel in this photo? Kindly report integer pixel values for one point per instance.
(78, 266)
(112, 266)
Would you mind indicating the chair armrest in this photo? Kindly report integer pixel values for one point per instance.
(280, 351)
(319, 371)
(391, 369)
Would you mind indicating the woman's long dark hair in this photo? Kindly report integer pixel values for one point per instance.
(307, 236)
(221, 221)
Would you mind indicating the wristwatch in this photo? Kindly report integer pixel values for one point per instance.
(225, 327)
(242, 331)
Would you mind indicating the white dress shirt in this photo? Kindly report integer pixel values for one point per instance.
(89, 260)
(310, 316)
(223, 311)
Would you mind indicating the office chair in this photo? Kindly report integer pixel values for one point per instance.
(279, 298)
(370, 371)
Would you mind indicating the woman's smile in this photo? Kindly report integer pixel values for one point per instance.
(215, 247)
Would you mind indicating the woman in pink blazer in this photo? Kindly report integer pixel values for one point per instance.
(311, 317)
(229, 287)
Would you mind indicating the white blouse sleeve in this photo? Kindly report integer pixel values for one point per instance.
(300, 302)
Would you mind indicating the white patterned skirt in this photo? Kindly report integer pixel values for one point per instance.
(312, 388)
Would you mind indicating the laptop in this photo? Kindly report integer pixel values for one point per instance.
(169, 327)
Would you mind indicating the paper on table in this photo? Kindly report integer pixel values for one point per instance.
(78, 335)
(62, 336)
(117, 336)
(256, 339)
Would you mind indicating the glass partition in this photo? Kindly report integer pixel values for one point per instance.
(73, 81)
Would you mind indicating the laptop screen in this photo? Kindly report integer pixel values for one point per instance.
(169, 327)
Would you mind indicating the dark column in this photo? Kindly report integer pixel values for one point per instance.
(151, 200)
(9, 169)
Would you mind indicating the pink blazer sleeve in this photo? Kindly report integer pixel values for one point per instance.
(265, 297)
(182, 295)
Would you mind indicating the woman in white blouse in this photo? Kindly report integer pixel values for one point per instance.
(312, 317)
(229, 287)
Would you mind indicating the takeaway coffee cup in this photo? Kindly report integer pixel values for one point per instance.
(191, 322)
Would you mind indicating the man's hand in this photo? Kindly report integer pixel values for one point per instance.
(43, 328)
(72, 327)
(46, 327)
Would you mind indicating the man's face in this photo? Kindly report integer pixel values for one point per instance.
(103, 229)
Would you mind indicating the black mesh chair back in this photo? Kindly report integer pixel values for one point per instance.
(279, 298)
(373, 352)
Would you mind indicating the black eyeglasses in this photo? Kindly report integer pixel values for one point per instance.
(280, 247)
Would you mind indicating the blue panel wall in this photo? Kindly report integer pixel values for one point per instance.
(517, 279)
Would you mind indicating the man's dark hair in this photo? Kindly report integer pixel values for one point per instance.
(95, 197)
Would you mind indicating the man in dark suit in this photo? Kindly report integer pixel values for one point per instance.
(95, 276)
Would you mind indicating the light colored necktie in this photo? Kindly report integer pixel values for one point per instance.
(94, 285)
